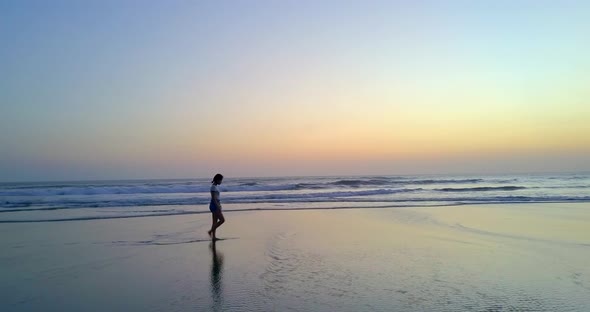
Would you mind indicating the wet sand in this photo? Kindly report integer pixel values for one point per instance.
(516, 257)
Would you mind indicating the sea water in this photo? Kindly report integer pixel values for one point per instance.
(84, 200)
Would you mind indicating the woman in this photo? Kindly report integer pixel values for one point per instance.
(215, 206)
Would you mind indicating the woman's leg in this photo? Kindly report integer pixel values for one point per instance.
(218, 220)
(211, 232)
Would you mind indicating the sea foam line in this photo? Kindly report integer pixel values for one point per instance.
(177, 213)
(287, 199)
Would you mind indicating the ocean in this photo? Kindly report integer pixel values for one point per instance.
(87, 200)
(349, 243)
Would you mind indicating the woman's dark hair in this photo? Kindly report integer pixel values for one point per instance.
(217, 178)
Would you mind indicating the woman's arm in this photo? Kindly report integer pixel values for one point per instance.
(215, 197)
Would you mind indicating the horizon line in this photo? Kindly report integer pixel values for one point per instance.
(303, 176)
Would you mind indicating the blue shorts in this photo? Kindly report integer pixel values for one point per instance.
(212, 207)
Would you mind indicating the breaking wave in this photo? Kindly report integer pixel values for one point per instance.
(24, 202)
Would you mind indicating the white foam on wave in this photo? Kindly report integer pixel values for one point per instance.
(138, 189)
(381, 195)
(51, 201)
(239, 185)
(190, 199)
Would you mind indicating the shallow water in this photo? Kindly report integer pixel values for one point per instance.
(527, 257)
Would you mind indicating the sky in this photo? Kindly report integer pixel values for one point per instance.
(180, 89)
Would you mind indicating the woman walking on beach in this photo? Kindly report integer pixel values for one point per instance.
(215, 206)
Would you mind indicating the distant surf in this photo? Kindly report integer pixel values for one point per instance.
(482, 189)
(89, 200)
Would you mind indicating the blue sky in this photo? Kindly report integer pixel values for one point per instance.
(141, 89)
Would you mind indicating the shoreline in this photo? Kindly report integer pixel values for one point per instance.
(261, 209)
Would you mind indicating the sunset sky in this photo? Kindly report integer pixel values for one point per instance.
(180, 89)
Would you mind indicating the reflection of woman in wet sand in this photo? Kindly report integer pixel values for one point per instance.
(216, 277)
(215, 206)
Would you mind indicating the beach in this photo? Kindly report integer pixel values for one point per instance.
(367, 156)
(492, 257)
